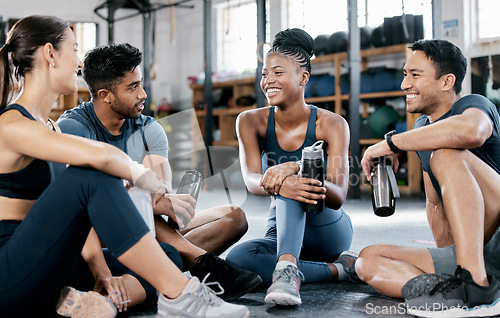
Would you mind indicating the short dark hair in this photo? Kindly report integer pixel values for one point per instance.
(104, 66)
(295, 43)
(446, 57)
(24, 38)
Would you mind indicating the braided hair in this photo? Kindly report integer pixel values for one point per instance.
(296, 44)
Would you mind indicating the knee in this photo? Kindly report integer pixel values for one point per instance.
(238, 221)
(173, 254)
(366, 259)
(238, 255)
(83, 175)
(442, 159)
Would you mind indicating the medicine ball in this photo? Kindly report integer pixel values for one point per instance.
(326, 86)
(311, 86)
(366, 82)
(337, 42)
(378, 36)
(321, 44)
(345, 84)
(365, 34)
(383, 120)
(383, 79)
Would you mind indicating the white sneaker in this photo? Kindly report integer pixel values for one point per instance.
(285, 288)
(198, 300)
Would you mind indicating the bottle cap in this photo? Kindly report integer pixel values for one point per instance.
(315, 151)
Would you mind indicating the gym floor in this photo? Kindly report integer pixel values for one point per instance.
(408, 226)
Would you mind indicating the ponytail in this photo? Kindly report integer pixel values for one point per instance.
(5, 76)
(17, 56)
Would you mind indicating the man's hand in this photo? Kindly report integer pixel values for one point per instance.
(273, 177)
(380, 149)
(176, 206)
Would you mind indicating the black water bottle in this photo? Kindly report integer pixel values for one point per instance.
(313, 168)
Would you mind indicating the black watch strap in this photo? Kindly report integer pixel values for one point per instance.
(388, 138)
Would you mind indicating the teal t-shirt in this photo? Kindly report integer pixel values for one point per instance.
(82, 121)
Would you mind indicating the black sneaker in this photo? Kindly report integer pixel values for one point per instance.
(235, 281)
(458, 296)
(422, 284)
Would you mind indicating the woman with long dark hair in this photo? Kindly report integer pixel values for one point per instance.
(44, 223)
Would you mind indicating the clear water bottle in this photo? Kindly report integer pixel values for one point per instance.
(313, 168)
(384, 187)
(190, 184)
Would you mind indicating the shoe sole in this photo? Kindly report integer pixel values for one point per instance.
(164, 314)
(478, 311)
(283, 299)
(74, 304)
(422, 285)
(244, 290)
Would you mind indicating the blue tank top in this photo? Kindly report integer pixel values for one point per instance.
(29, 182)
(273, 154)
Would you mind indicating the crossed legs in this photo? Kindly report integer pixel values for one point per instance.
(470, 191)
(214, 229)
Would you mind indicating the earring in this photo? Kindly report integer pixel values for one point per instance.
(51, 64)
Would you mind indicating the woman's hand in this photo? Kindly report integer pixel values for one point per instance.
(274, 176)
(302, 189)
(114, 286)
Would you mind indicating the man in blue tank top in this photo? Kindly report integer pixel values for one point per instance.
(114, 116)
(458, 142)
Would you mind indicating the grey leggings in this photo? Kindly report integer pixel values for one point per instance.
(312, 238)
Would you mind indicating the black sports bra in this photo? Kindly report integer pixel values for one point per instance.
(29, 182)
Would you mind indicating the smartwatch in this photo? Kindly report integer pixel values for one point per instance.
(388, 139)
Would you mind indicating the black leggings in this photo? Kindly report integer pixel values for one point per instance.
(40, 256)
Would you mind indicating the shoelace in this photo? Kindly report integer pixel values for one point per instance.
(112, 296)
(219, 286)
(204, 297)
(288, 272)
(452, 283)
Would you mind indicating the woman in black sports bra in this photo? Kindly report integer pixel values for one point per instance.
(45, 225)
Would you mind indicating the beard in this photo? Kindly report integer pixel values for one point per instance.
(125, 111)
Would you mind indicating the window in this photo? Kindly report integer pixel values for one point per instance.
(236, 32)
(86, 36)
(328, 16)
(487, 15)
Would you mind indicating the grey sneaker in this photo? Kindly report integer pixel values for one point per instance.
(422, 284)
(348, 259)
(285, 287)
(74, 303)
(458, 296)
(198, 300)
